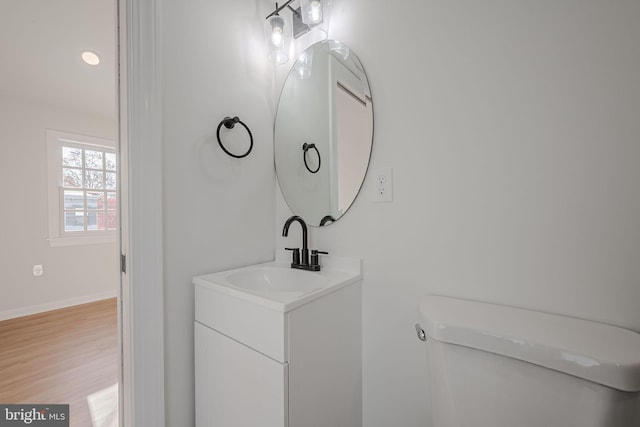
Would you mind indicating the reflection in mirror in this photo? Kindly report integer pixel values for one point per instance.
(323, 132)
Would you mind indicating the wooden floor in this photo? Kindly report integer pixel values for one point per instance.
(61, 356)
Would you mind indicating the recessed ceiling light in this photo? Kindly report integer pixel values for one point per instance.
(90, 58)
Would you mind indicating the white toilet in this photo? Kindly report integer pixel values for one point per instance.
(498, 366)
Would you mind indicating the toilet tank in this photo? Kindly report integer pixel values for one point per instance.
(497, 366)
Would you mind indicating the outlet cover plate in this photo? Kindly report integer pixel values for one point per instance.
(382, 185)
(38, 270)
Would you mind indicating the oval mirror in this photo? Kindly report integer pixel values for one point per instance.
(323, 132)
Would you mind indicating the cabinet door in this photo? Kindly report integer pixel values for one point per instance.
(237, 386)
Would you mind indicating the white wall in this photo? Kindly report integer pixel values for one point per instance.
(72, 274)
(218, 211)
(512, 128)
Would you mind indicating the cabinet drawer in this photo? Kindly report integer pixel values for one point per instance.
(260, 328)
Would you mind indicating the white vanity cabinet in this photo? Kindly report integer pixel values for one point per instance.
(259, 364)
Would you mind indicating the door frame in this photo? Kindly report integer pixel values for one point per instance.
(140, 146)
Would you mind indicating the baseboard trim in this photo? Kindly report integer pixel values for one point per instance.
(55, 305)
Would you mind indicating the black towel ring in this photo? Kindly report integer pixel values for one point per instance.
(306, 147)
(230, 123)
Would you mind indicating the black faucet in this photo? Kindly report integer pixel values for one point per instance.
(305, 243)
(302, 262)
(327, 219)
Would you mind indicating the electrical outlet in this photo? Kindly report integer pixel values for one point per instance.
(38, 270)
(382, 185)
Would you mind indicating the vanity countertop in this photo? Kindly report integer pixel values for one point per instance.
(277, 286)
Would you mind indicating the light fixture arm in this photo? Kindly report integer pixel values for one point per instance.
(278, 9)
(294, 11)
(310, 14)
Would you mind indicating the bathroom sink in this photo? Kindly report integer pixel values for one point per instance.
(277, 279)
(276, 285)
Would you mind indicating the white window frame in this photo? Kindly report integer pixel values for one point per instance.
(55, 141)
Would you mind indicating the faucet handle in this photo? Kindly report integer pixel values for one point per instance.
(314, 257)
(296, 255)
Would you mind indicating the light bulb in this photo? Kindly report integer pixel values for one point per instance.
(316, 11)
(312, 11)
(276, 36)
(277, 30)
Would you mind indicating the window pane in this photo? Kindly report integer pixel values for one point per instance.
(71, 178)
(72, 157)
(93, 159)
(110, 159)
(95, 200)
(95, 220)
(110, 180)
(112, 220)
(112, 200)
(94, 180)
(74, 221)
(73, 200)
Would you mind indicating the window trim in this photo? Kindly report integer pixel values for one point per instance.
(55, 141)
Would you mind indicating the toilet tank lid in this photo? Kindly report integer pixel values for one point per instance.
(600, 353)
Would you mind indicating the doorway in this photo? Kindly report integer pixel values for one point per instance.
(46, 86)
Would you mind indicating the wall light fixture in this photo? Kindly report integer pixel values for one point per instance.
(310, 14)
(304, 64)
(278, 37)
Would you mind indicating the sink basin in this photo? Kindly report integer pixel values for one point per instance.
(276, 285)
(277, 280)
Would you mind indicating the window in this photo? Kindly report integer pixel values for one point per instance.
(83, 198)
